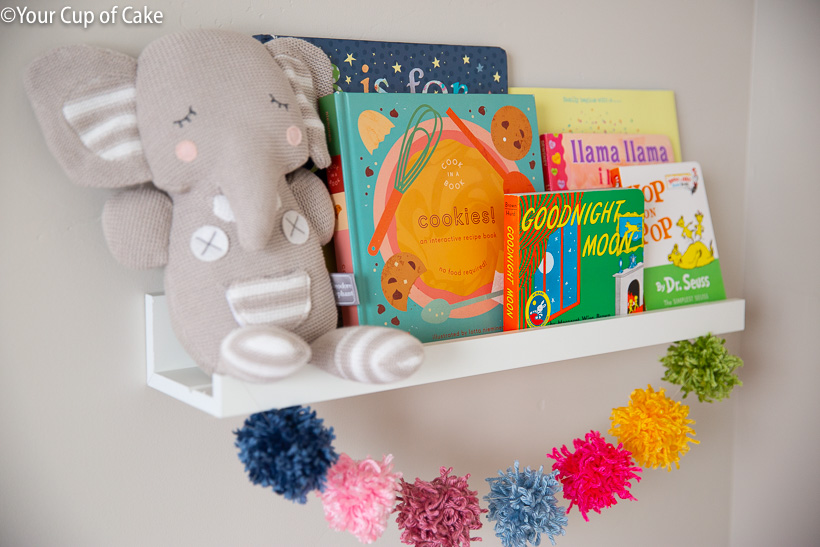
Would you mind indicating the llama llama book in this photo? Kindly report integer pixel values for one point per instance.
(576, 161)
(366, 66)
(572, 255)
(682, 263)
(418, 184)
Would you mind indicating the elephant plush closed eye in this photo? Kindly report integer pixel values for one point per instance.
(206, 135)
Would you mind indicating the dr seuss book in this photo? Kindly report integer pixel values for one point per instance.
(367, 66)
(572, 255)
(418, 184)
(577, 161)
(682, 263)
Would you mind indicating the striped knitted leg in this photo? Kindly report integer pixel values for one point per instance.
(373, 355)
(262, 353)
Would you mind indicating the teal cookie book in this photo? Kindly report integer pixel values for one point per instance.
(418, 183)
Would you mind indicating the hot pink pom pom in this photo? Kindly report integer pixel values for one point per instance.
(440, 513)
(594, 473)
(359, 496)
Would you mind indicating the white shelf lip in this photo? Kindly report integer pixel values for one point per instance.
(173, 372)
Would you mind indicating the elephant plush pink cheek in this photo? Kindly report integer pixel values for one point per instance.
(186, 151)
(294, 135)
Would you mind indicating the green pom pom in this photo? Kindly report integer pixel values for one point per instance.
(705, 367)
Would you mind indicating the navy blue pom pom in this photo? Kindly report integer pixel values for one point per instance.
(288, 450)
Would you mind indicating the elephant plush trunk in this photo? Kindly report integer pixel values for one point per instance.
(254, 199)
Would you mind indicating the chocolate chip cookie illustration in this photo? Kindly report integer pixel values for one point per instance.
(398, 275)
(511, 133)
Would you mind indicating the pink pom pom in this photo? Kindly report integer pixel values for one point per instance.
(359, 496)
(594, 473)
(440, 513)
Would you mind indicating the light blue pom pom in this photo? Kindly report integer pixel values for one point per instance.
(523, 504)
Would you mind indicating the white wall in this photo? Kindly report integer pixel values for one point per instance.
(776, 477)
(91, 456)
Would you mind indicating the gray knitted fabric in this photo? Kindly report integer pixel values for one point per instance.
(373, 355)
(90, 83)
(137, 226)
(220, 124)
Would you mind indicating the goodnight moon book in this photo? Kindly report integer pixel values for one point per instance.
(571, 256)
(418, 183)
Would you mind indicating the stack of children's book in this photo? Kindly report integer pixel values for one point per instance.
(462, 209)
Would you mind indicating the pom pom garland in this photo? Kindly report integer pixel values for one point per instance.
(654, 428)
(524, 506)
(288, 450)
(439, 513)
(705, 367)
(359, 496)
(594, 473)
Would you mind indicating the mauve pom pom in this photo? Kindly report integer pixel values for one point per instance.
(288, 450)
(439, 513)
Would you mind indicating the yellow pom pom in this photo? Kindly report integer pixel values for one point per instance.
(654, 428)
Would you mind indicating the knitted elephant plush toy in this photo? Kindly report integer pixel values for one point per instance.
(207, 133)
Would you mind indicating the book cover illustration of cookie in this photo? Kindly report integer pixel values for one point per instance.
(571, 256)
(577, 161)
(368, 66)
(682, 262)
(419, 183)
(399, 274)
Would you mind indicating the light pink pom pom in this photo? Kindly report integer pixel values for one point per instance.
(359, 496)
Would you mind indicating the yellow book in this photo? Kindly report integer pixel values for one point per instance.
(606, 111)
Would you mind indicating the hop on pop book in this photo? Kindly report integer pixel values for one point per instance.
(682, 262)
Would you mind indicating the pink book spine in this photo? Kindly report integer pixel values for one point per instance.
(555, 171)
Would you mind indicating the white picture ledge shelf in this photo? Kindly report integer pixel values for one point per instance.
(172, 371)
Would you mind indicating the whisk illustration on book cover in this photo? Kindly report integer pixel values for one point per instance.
(405, 176)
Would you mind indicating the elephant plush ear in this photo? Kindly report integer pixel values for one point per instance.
(85, 101)
(310, 74)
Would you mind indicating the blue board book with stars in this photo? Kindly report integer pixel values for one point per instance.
(365, 66)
